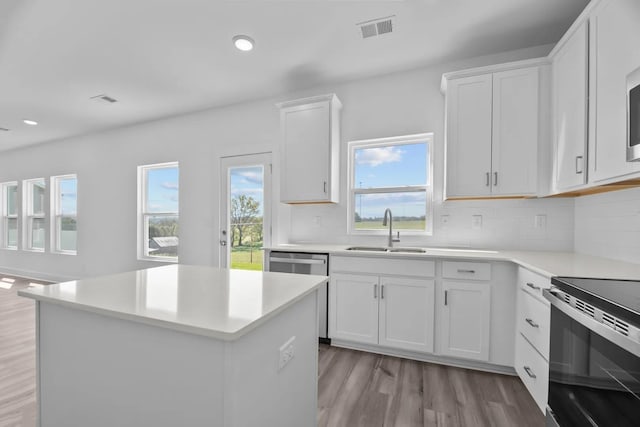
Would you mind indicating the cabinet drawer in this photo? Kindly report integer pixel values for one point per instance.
(534, 318)
(533, 371)
(532, 282)
(466, 270)
(400, 267)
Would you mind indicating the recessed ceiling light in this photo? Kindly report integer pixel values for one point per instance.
(30, 122)
(243, 43)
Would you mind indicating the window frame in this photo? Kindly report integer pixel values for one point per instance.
(56, 215)
(353, 191)
(144, 214)
(6, 216)
(30, 216)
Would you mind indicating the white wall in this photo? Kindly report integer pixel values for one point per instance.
(397, 104)
(608, 225)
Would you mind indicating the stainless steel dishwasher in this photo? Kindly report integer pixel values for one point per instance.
(305, 263)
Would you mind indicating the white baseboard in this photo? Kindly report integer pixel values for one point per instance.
(425, 357)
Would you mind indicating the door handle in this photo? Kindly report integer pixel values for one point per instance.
(325, 187)
(382, 292)
(579, 160)
(461, 270)
(375, 291)
(446, 295)
(495, 179)
(223, 243)
(529, 372)
(488, 179)
(532, 286)
(532, 323)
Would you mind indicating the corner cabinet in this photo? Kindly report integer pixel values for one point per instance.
(570, 88)
(309, 150)
(492, 131)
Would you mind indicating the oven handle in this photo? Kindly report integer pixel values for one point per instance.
(617, 338)
(297, 260)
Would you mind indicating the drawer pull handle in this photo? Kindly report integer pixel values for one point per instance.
(529, 372)
(532, 323)
(375, 291)
(532, 286)
(460, 270)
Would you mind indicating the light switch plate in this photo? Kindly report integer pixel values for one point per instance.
(540, 221)
(287, 351)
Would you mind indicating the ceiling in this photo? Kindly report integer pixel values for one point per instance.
(165, 57)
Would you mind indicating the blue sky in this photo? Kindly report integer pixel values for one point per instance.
(391, 166)
(248, 180)
(69, 196)
(162, 190)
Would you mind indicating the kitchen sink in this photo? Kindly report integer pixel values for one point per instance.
(367, 248)
(408, 250)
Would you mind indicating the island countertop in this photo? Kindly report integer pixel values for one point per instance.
(219, 303)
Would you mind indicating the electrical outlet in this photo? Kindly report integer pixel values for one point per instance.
(540, 221)
(476, 222)
(287, 351)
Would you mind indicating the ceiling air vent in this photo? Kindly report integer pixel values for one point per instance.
(376, 27)
(105, 99)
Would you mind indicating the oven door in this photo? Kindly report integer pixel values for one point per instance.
(594, 371)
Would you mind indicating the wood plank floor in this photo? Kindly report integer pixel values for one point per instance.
(17, 355)
(355, 388)
(364, 389)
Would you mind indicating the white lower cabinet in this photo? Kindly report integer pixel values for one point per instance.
(533, 370)
(465, 320)
(384, 310)
(406, 313)
(353, 309)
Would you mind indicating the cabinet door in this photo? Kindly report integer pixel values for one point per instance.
(614, 54)
(466, 315)
(406, 313)
(569, 71)
(469, 136)
(514, 148)
(305, 152)
(354, 308)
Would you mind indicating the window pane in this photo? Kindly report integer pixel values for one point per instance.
(163, 235)
(12, 232)
(37, 233)
(68, 233)
(246, 216)
(12, 200)
(162, 190)
(37, 194)
(68, 193)
(408, 209)
(391, 166)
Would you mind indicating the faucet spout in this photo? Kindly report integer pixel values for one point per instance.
(388, 215)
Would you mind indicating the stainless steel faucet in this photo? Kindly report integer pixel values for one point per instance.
(387, 214)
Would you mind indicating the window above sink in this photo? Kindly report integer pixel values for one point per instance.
(395, 173)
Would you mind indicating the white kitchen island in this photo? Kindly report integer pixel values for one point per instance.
(177, 346)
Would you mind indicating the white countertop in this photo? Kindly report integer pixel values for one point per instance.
(546, 263)
(219, 303)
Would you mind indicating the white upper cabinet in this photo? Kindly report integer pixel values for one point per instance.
(615, 31)
(570, 85)
(310, 149)
(469, 136)
(492, 132)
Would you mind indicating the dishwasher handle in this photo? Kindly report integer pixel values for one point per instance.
(297, 260)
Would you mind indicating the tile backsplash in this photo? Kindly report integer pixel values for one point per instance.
(608, 225)
(536, 224)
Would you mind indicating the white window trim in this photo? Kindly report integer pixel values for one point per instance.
(56, 216)
(143, 216)
(397, 140)
(29, 216)
(5, 215)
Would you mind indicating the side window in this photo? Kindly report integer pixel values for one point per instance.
(10, 215)
(64, 220)
(158, 212)
(35, 221)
